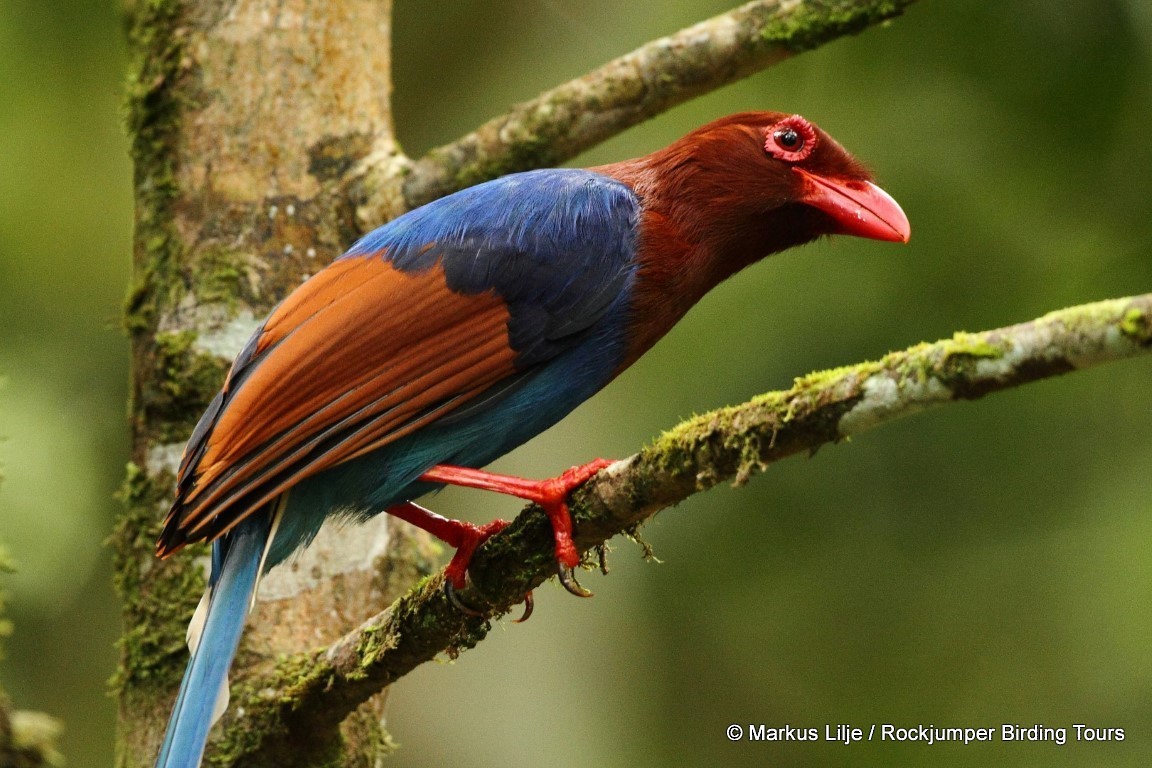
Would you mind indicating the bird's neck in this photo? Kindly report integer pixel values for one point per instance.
(693, 235)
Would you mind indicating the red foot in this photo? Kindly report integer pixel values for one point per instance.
(465, 537)
(551, 494)
(474, 536)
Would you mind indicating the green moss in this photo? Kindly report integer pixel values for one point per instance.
(181, 384)
(138, 307)
(822, 379)
(530, 138)
(671, 452)
(330, 159)
(159, 596)
(218, 276)
(533, 150)
(263, 714)
(374, 643)
(153, 121)
(815, 22)
(242, 739)
(956, 363)
(1137, 325)
(268, 703)
(972, 345)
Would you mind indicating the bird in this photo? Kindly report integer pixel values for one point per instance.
(460, 330)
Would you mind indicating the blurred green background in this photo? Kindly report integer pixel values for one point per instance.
(982, 564)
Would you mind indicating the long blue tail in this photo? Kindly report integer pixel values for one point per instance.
(236, 560)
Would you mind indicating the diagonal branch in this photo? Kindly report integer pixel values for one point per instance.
(317, 689)
(566, 120)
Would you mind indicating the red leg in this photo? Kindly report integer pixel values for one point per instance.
(465, 537)
(551, 494)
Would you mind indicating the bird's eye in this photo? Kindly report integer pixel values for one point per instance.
(788, 140)
(791, 140)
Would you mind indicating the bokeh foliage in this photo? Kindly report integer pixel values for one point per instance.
(986, 563)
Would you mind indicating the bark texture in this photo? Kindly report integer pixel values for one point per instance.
(243, 116)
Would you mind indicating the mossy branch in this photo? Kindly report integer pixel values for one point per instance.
(314, 691)
(568, 119)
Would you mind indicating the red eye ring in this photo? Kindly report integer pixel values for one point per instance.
(791, 140)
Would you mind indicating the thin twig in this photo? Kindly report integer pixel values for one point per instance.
(316, 690)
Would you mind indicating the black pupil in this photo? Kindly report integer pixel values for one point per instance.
(788, 138)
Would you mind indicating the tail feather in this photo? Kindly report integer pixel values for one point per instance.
(237, 559)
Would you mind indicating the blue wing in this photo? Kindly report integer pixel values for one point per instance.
(557, 245)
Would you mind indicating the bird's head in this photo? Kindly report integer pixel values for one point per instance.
(756, 183)
(821, 175)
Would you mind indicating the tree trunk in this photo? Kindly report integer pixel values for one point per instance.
(244, 116)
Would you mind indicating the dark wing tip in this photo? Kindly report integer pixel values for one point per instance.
(172, 538)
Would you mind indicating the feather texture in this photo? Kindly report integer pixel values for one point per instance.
(203, 692)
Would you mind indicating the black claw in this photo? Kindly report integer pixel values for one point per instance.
(568, 579)
(459, 604)
(463, 607)
(602, 552)
(529, 604)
